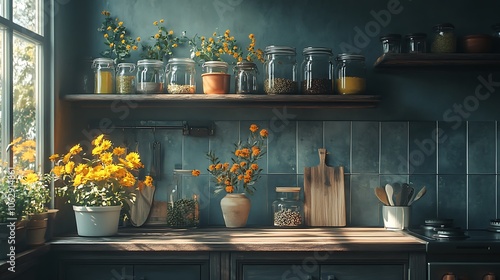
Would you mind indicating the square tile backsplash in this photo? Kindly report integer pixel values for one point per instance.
(458, 164)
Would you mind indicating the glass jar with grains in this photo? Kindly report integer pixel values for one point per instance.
(288, 208)
(444, 39)
(280, 70)
(317, 71)
(181, 75)
(125, 78)
(150, 76)
(350, 74)
(104, 75)
(182, 204)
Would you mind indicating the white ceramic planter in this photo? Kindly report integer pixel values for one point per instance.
(235, 209)
(97, 220)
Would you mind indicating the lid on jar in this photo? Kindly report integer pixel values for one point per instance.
(396, 37)
(181, 61)
(103, 61)
(215, 64)
(416, 36)
(153, 62)
(279, 49)
(126, 65)
(317, 50)
(443, 26)
(245, 65)
(287, 189)
(349, 56)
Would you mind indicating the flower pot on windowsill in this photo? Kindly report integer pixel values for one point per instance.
(97, 220)
(216, 83)
(35, 232)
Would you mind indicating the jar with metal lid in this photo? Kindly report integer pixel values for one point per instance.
(416, 43)
(182, 204)
(125, 78)
(245, 77)
(350, 74)
(496, 37)
(104, 75)
(288, 208)
(317, 71)
(215, 78)
(444, 39)
(150, 76)
(280, 70)
(391, 43)
(181, 75)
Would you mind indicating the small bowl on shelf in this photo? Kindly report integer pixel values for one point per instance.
(480, 43)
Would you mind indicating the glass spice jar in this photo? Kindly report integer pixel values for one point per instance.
(416, 43)
(104, 75)
(181, 75)
(317, 71)
(391, 43)
(350, 74)
(150, 76)
(288, 208)
(444, 39)
(182, 204)
(245, 77)
(125, 78)
(280, 70)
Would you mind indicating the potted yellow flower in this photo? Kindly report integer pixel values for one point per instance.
(212, 52)
(238, 178)
(100, 184)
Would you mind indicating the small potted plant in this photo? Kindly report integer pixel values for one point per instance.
(238, 176)
(213, 52)
(99, 184)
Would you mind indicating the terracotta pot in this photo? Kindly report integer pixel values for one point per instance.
(215, 83)
(235, 209)
(50, 223)
(35, 232)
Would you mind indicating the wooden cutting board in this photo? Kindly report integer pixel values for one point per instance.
(324, 194)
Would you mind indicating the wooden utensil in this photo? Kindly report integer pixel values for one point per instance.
(389, 191)
(418, 196)
(139, 210)
(324, 194)
(382, 195)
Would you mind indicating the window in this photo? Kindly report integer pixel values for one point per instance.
(23, 62)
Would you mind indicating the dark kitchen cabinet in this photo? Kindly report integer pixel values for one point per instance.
(363, 271)
(98, 272)
(133, 272)
(164, 272)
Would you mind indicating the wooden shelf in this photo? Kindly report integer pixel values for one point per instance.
(226, 100)
(434, 59)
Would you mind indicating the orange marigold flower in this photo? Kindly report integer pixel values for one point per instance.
(234, 168)
(148, 181)
(254, 166)
(211, 167)
(243, 164)
(240, 177)
(255, 151)
(229, 189)
(195, 173)
(254, 128)
(264, 133)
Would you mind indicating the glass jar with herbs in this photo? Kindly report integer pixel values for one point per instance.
(150, 76)
(350, 74)
(104, 75)
(444, 39)
(125, 78)
(182, 204)
(181, 75)
(280, 70)
(317, 71)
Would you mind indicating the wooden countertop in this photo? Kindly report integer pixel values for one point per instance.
(245, 239)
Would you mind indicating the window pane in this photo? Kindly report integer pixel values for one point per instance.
(27, 13)
(2, 7)
(25, 83)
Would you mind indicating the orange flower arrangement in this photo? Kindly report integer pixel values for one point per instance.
(244, 171)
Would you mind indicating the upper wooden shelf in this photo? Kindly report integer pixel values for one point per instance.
(435, 59)
(227, 100)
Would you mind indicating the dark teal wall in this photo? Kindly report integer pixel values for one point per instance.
(413, 100)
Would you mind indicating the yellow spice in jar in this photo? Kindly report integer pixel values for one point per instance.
(103, 82)
(350, 85)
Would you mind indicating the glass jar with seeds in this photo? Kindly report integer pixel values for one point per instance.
(288, 208)
(181, 75)
(150, 76)
(317, 71)
(280, 70)
(444, 39)
(350, 74)
(125, 78)
(182, 204)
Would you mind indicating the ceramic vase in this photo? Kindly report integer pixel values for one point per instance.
(215, 83)
(235, 209)
(96, 221)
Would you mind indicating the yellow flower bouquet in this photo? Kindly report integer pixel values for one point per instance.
(106, 178)
(243, 172)
(117, 38)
